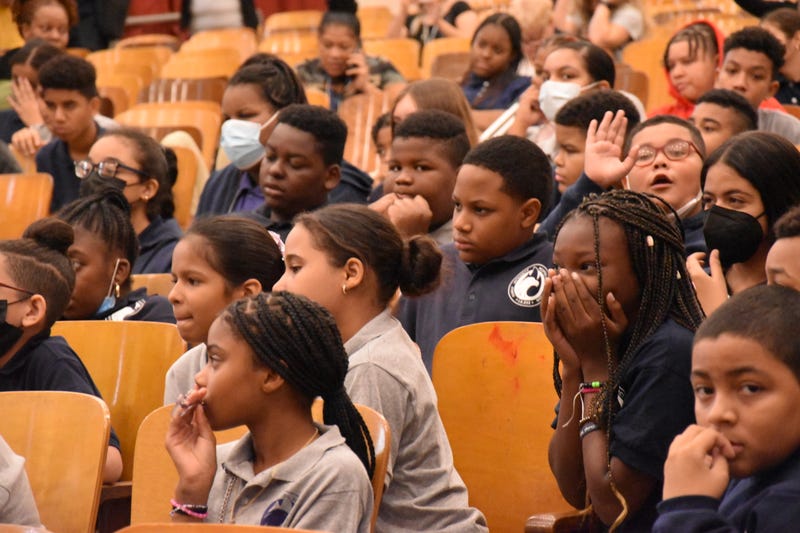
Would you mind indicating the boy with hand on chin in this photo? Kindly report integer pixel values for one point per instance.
(738, 469)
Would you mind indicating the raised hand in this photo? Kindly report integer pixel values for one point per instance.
(604, 164)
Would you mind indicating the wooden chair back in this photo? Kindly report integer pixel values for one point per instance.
(583, 521)
(436, 47)
(360, 112)
(115, 99)
(111, 82)
(159, 284)
(183, 190)
(128, 361)
(150, 39)
(291, 43)
(303, 19)
(318, 97)
(210, 63)
(497, 376)
(793, 110)
(633, 81)
(206, 117)
(403, 54)
(12, 528)
(241, 39)
(639, 55)
(155, 477)
(24, 198)
(64, 439)
(181, 90)
(375, 21)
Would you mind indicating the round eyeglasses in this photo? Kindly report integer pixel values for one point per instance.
(674, 150)
(105, 169)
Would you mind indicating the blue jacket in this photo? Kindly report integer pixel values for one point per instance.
(765, 502)
(156, 243)
(222, 189)
(506, 288)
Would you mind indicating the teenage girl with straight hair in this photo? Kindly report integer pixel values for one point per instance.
(145, 172)
(352, 261)
(270, 356)
(103, 252)
(620, 311)
(748, 184)
(218, 261)
(36, 282)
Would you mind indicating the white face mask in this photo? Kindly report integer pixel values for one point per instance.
(239, 139)
(554, 94)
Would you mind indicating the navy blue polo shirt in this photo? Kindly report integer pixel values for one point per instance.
(138, 305)
(48, 363)
(156, 244)
(507, 288)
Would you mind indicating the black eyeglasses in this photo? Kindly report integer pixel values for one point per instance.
(674, 150)
(105, 169)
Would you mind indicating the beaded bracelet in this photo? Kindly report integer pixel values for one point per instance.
(592, 386)
(195, 511)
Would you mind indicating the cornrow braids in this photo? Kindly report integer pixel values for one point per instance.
(299, 340)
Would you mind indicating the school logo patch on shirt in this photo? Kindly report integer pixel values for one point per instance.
(526, 288)
(278, 510)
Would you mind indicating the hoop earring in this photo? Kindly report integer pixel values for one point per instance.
(344, 289)
(116, 290)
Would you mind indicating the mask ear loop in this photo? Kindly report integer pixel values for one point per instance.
(113, 280)
(265, 126)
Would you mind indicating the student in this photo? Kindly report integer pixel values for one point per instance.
(219, 260)
(381, 134)
(270, 356)
(748, 184)
(492, 83)
(17, 505)
(620, 311)
(783, 267)
(610, 25)
(342, 68)
(691, 61)
(24, 100)
(71, 101)
(427, 151)
(753, 58)
(145, 172)
(535, 18)
(738, 469)
(497, 264)
(103, 252)
(784, 25)
(571, 124)
(262, 86)
(720, 114)
(50, 20)
(434, 19)
(434, 93)
(356, 248)
(302, 164)
(36, 283)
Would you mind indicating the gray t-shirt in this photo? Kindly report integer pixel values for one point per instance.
(322, 487)
(423, 491)
(784, 124)
(17, 505)
(180, 376)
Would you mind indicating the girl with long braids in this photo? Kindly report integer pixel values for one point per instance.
(270, 356)
(621, 312)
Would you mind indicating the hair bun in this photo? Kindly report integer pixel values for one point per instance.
(420, 267)
(51, 233)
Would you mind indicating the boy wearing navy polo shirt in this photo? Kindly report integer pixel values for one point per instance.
(71, 101)
(496, 267)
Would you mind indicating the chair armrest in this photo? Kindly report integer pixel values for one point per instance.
(583, 521)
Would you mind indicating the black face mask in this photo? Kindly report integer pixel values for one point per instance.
(93, 184)
(735, 234)
(9, 334)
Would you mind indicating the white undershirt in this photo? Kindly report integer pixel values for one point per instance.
(210, 14)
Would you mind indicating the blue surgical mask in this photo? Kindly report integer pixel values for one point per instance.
(239, 139)
(110, 300)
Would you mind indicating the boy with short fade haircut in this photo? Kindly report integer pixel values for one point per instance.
(571, 123)
(496, 267)
(301, 166)
(783, 259)
(753, 58)
(738, 469)
(427, 150)
(67, 86)
(720, 114)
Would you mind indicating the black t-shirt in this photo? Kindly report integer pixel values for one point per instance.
(48, 363)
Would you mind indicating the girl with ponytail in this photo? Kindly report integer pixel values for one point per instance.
(352, 261)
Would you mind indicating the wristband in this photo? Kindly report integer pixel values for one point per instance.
(195, 511)
(587, 428)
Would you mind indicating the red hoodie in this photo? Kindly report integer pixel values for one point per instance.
(682, 107)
